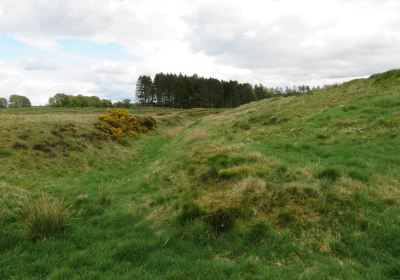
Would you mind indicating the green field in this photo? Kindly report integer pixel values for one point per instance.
(302, 187)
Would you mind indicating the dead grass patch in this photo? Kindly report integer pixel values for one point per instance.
(234, 195)
(197, 135)
(169, 133)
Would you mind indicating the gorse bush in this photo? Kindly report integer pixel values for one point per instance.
(44, 216)
(118, 123)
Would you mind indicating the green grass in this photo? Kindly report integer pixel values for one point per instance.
(298, 187)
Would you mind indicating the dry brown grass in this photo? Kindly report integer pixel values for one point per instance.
(169, 133)
(197, 135)
(232, 196)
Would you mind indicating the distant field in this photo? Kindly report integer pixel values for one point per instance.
(303, 187)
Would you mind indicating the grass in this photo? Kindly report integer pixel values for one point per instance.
(197, 135)
(298, 187)
(105, 194)
(43, 216)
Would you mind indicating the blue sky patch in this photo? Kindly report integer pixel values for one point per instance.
(94, 50)
(11, 48)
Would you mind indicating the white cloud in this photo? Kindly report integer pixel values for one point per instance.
(268, 41)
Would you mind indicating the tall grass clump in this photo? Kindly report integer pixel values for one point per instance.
(189, 212)
(44, 216)
(329, 174)
(105, 194)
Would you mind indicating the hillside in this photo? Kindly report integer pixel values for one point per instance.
(297, 187)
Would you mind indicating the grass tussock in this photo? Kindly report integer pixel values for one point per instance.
(329, 174)
(44, 216)
(106, 194)
(196, 135)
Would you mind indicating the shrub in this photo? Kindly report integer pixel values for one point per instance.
(118, 123)
(105, 195)
(189, 212)
(44, 215)
(329, 174)
(223, 219)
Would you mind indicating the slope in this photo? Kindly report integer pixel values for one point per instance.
(296, 187)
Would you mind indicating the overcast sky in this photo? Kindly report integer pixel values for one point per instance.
(99, 48)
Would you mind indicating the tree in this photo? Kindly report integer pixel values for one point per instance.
(59, 100)
(19, 101)
(126, 103)
(182, 91)
(105, 103)
(144, 90)
(3, 102)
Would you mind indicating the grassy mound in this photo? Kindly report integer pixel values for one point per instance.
(305, 186)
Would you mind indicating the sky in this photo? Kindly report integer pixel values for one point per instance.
(100, 48)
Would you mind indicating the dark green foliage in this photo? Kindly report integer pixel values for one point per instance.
(125, 103)
(3, 103)
(4, 154)
(18, 101)
(59, 100)
(64, 100)
(189, 212)
(329, 174)
(181, 91)
(222, 219)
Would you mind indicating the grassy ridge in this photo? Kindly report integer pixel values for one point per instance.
(291, 187)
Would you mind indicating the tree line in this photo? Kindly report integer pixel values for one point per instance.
(64, 100)
(15, 101)
(182, 91)
(171, 90)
